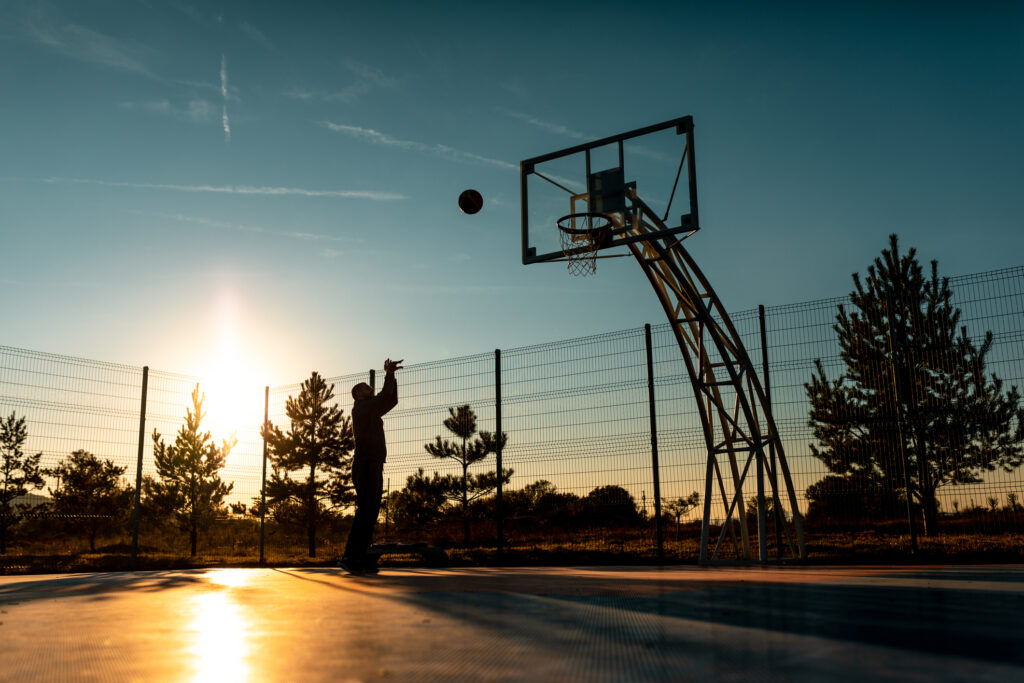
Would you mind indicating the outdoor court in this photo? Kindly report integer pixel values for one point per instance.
(607, 624)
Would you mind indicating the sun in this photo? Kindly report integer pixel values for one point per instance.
(233, 383)
(234, 404)
(234, 401)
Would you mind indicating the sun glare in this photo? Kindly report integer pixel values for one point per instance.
(234, 403)
(234, 383)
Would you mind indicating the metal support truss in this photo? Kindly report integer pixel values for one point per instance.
(736, 417)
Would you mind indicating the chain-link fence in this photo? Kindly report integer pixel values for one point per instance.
(918, 410)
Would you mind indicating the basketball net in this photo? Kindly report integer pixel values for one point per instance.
(581, 236)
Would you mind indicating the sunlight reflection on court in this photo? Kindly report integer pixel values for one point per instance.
(228, 577)
(220, 644)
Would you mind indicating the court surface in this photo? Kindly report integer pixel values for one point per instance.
(536, 624)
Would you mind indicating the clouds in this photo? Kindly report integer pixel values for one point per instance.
(217, 22)
(556, 128)
(199, 110)
(439, 150)
(195, 110)
(326, 246)
(367, 79)
(195, 15)
(256, 35)
(227, 225)
(267, 191)
(83, 43)
(224, 95)
(565, 131)
(46, 26)
(370, 74)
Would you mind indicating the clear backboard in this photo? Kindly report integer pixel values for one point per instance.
(589, 197)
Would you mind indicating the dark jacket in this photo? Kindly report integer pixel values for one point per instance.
(367, 423)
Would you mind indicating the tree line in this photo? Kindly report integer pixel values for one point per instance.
(309, 486)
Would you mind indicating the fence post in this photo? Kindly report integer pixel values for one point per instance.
(263, 477)
(896, 367)
(776, 503)
(762, 521)
(654, 443)
(373, 379)
(387, 512)
(498, 448)
(138, 469)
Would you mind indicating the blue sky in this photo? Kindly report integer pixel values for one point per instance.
(274, 185)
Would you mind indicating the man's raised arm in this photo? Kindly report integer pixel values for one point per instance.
(388, 396)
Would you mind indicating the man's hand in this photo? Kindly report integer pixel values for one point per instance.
(392, 365)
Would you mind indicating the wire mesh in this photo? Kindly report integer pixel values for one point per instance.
(232, 414)
(577, 416)
(801, 334)
(578, 455)
(67, 404)
(286, 531)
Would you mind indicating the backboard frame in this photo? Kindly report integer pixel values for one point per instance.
(688, 222)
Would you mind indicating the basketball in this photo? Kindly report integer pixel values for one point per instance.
(470, 201)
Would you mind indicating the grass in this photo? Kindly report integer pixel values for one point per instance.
(235, 543)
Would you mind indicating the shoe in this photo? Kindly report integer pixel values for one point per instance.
(347, 565)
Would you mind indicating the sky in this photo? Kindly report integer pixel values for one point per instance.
(272, 187)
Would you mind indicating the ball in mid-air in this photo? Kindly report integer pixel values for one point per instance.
(470, 201)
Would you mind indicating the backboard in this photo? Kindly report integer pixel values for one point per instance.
(647, 174)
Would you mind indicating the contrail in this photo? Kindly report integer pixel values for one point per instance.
(224, 94)
(440, 150)
(372, 195)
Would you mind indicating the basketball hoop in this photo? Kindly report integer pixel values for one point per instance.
(583, 234)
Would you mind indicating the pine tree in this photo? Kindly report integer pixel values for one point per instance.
(19, 473)
(318, 448)
(421, 501)
(470, 448)
(678, 507)
(190, 483)
(90, 494)
(958, 421)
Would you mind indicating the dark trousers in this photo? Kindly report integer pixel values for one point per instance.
(368, 479)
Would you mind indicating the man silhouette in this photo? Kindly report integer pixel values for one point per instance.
(368, 466)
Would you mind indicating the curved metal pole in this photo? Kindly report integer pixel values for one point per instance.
(696, 326)
(697, 316)
(702, 411)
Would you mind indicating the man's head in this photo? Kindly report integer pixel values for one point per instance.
(362, 391)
